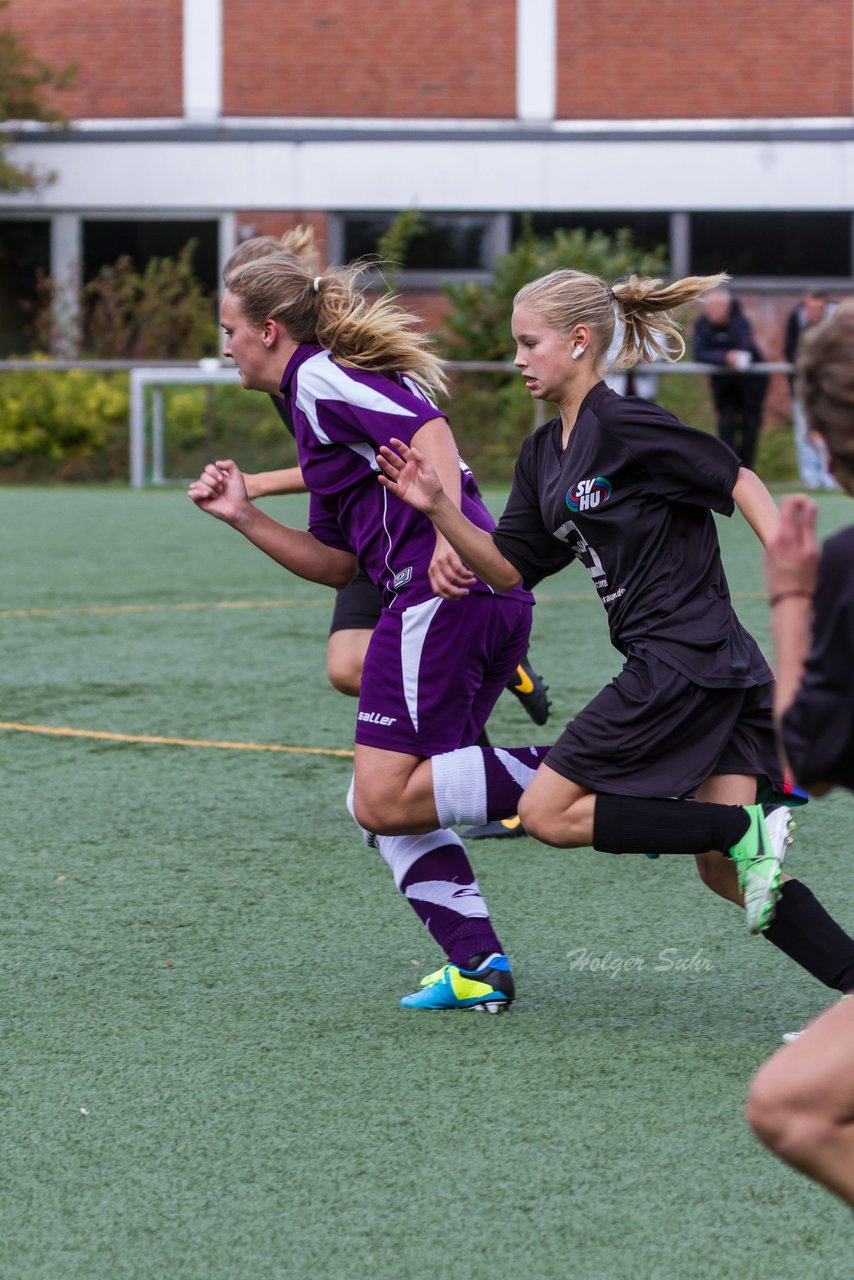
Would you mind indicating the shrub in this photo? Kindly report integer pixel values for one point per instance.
(63, 425)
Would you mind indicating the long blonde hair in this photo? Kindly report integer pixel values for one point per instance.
(566, 298)
(299, 241)
(333, 310)
(824, 381)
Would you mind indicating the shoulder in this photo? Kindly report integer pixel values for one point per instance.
(319, 377)
(616, 412)
(837, 557)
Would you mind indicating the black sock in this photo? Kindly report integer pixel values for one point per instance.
(624, 824)
(809, 935)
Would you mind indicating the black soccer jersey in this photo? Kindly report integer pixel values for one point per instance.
(818, 728)
(632, 497)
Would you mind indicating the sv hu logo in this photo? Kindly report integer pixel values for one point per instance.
(588, 494)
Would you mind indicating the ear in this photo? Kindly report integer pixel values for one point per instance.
(579, 340)
(269, 332)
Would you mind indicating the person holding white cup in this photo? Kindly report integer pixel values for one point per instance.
(723, 336)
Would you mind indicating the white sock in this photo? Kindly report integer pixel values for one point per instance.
(459, 787)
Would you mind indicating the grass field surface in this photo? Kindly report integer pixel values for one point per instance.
(206, 1074)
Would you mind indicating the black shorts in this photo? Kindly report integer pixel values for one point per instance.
(357, 606)
(651, 732)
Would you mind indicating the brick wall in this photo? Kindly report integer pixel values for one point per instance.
(128, 55)
(455, 58)
(665, 59)
(269, 222)
(426, 58)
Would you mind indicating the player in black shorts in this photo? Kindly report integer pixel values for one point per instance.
(801, 1103)
(669, 756)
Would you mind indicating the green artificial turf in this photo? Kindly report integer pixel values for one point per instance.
(206, 1074)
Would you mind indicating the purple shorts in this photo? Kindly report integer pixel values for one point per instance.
(651, 732)
(434, 671)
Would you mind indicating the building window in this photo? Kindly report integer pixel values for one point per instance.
(104, 242)
(446, 242)
(809, 245)
(649, 231)
(24, 255)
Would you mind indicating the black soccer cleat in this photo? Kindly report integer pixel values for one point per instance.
(500, 829)
(532, 691)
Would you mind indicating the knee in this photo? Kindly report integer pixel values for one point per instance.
(554, 827)
(791, 1130)
(376, 809)
(531, 818)
(367, 810)
(344, 676)
(766, 1112)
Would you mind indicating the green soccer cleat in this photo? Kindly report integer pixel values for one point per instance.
(758, 857)
(488, 988)
(532, 691)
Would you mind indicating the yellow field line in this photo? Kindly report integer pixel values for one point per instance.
(267, 604)
(61, 732)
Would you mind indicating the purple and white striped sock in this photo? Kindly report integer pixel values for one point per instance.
(434, 874)
(481, 784)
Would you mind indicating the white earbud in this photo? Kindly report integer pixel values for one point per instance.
(577, 353)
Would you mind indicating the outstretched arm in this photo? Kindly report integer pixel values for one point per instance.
(407, 473)
(756, 505)
(791, 561)
(263, 484)
(221, 492)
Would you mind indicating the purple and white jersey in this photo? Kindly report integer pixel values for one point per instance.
(341, 416)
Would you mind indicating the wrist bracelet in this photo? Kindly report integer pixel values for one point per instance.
(784, 595)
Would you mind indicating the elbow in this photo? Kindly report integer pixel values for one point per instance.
(339, 577)
(504, 579)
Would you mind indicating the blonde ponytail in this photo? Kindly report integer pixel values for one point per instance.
(568, 298)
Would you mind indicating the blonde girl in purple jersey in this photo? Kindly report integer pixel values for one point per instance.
(358, 605)
(353, 373)
(668, 757)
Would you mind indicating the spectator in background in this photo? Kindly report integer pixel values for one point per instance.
(723, 336)
(812, 465)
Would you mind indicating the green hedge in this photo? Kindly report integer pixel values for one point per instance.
(74, 426)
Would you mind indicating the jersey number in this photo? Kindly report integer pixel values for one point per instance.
(571, 534)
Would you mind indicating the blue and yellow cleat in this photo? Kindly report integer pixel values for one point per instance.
(488, 988)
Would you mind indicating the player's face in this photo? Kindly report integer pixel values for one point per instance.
(542, 355)
(245, 344)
